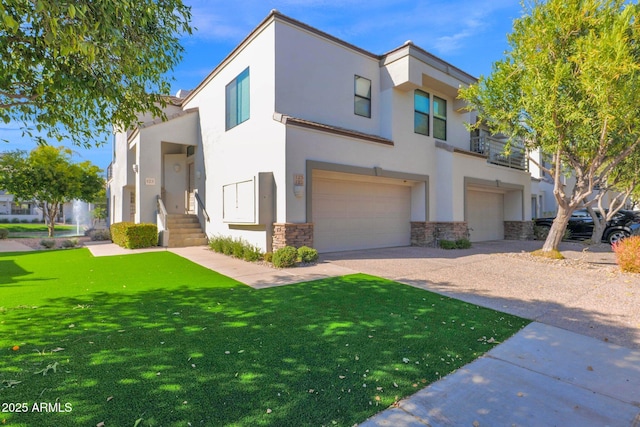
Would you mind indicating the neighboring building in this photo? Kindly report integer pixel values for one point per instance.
(14, 210)
(300, 138)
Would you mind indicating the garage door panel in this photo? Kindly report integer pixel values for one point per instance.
(358, 215)
(485, 215)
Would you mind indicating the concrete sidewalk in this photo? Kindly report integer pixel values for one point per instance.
(542, 376)
(252, 274)
(13, 246)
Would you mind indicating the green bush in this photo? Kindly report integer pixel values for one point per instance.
(36, 221)
(234, 247)
(628, 254)
(285, 257)
(48, 243)
(457, 244)
(307, 254)
(69, 243)
(447, 244)
(463, 244)
(268, 257)
(98, 234)
(133, 236)
(4, 220)
(15, 221)
(4, 233)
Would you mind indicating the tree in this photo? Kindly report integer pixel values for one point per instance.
(48, 176)
(570, 86)
(74, 69)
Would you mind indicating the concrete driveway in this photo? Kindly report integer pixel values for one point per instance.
(585, 294)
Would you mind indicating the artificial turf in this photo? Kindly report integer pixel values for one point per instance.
(154, 340)
(34, 228)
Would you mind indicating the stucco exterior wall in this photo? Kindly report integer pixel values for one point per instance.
(240, 153)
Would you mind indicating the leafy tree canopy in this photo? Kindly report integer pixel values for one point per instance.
(48, 176)
(74, 69)
(570, 85)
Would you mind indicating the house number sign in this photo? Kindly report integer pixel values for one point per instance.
(150, 181)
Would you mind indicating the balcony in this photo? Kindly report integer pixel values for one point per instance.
(494, 149)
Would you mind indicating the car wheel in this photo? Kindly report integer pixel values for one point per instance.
(617, 235)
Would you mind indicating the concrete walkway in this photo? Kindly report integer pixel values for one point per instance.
(542, 376)
(13, 246)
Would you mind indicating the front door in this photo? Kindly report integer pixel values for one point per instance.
(175, 183)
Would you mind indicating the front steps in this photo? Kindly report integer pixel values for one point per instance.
(184, 230)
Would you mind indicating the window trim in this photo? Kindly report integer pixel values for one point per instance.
(422, 113)
(231, 90)
(442, 118)
(357, 97)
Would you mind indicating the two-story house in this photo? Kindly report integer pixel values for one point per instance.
(301, 138)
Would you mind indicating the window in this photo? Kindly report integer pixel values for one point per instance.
(439, 118)
(421, 112)
(237, 100)
(362, 97)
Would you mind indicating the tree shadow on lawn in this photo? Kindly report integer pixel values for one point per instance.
(333, 351)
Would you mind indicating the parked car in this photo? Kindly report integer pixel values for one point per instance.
(623, 224)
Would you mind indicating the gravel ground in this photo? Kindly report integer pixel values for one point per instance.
(585, 293)
(35, 243)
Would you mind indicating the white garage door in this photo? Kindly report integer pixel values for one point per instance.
(360, 215)
(485, 215)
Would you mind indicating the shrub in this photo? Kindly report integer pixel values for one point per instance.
(4, 233)
(307, 254)
(268, 257)
(285, 257)
(48, 243)
(457, 244)
(69, 243)
(24, 221)
(98, 235)
(4, 220)
(463, 244)
(628, 254)
(35, 221)
(251, 253)
(447, 244)
(234, 247)
(133, 236)
(15, 221)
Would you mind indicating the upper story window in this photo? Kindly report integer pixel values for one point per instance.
(237, 100)
(362, 99)
(439, 118)
(421, 112)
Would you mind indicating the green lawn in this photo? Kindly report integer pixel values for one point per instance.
(154, 340)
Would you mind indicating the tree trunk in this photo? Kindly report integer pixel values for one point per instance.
(52, 212)
(558, 228)
(599, 224)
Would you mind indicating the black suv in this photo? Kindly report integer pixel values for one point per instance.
(623, 224)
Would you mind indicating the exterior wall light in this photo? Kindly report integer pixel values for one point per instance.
(298, 185)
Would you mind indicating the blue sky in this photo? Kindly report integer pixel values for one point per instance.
(470, 34)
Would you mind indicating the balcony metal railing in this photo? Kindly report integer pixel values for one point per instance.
(494, 149)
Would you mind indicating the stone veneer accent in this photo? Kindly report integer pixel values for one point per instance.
(428, 233)
(297, 235)
(518, 230)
